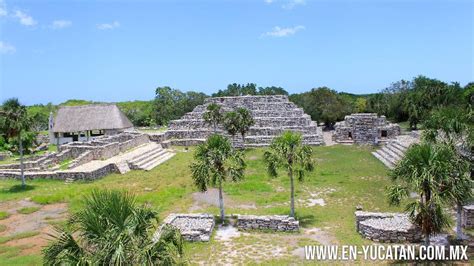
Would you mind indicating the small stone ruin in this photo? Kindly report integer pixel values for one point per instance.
(365, 128)
(90, 160)
(193, 227)
(387, 227)
(272, 114)
(467, 216)
(281, 223)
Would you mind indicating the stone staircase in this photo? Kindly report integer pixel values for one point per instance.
(394, 150)
(150, 159)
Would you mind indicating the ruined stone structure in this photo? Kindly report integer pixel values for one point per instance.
(93, 159)
(467, 216)
(272, 115)
(281, 223)
(193, 227)
(365, 128)
(387, 227)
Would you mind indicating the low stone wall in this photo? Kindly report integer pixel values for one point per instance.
(193, 227)
(272, 222)
(82, 159)
(132, 143)
(467, 216)
(85, 175)
(387, 227)
(4, 155)
(157, 137)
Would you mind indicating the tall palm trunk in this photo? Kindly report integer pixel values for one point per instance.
(292, 202)
(459, 233)
(22, 167)
(221, 200)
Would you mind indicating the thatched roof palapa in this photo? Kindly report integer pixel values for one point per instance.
(90, 117)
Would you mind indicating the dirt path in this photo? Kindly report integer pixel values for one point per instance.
(211, 198)
(327, 137)
(39, 222)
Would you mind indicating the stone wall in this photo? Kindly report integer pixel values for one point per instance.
(467, 217)
(387, 227)
(193, 227)
(365, 128)
(85, 157)
(271, 222)
(84, 175)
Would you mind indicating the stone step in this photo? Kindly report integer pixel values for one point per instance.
(69, 180)
(145, 154)
(139, 164)
(256, 113)
(123, 167)
(158, 161)
(386, 156)
(395, 156)
(397, 145)
(383, 160)
(390, 146)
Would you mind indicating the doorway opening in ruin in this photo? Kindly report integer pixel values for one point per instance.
(384, 133)
(350, 135)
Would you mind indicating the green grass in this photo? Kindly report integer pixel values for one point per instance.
(5, 239)
(345, 176)
(28, 210)
(64, 165)
(4, 215)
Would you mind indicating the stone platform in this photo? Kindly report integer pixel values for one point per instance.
(193, 227)
(272, 114)
(387, 227)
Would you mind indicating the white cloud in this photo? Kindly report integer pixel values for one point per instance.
(24, 18)
(61, 24)
(269, 1)
(108, 26)
(3, 9)
(6, 48)
(292, 3)
(283, 32)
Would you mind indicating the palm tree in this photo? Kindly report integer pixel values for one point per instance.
(246, 121)
(455, 127)
(231, 123)
(426, 169)
(16, 121)
(217, 161)
(287, 152)
(112, 229)
(213, 115)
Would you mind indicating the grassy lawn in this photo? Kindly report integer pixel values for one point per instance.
(345, 176)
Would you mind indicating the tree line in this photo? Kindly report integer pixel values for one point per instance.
(403, 100)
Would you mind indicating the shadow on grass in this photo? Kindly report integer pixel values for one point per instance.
(306, 220)
(18, 189)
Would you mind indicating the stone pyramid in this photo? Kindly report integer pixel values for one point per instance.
(272, 114)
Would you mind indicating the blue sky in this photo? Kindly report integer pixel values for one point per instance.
(51, 51)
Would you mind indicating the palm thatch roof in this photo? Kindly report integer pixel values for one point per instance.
(90, 117)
